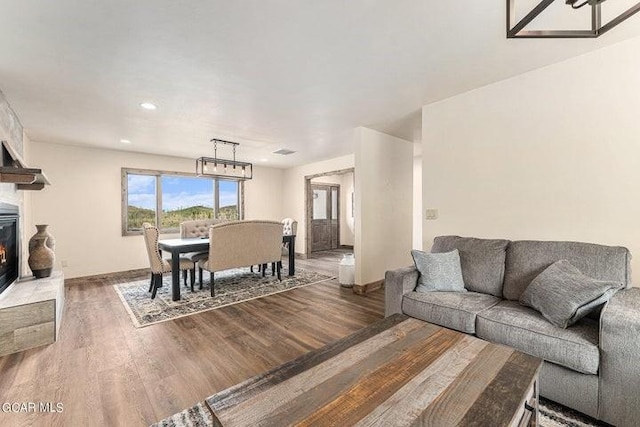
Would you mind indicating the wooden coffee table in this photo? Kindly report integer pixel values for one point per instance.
(396, 372)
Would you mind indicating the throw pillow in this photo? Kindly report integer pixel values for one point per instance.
(482, 261)
(563, 295)
(439, 272)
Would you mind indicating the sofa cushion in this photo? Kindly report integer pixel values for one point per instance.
(526, 330)
(453, 310)
(563, 295)
(527, 259)
(482, 261)
(438, 272)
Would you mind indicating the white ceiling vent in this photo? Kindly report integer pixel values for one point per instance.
(284, 151)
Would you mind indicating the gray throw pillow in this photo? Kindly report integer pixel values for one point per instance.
(439, 272)
(482, 261)
(563, 295)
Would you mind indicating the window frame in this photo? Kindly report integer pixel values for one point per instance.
(125, 172)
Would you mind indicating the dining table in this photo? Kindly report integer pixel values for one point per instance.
(185, 245)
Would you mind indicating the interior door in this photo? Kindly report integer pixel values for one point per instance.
(325, 217)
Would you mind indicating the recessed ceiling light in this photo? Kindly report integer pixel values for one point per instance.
(148, 106)
(125, 141)
(264, 160)
(284, 151)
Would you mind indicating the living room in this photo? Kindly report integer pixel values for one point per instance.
(450, 128)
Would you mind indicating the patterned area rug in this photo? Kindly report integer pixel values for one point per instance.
(231, 286)
(551, 415)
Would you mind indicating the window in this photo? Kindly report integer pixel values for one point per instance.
(166, 199)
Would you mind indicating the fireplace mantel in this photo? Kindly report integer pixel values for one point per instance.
(14, 170)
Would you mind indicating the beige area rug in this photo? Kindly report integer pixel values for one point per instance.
(231, 286)
(551, 415)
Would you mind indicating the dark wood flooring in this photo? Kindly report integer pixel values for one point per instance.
(106, 372)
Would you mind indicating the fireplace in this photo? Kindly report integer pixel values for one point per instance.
(9, 249)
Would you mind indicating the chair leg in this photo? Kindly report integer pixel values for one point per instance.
(192, 277)
(184, 277)
(213, 291)
(264, 269)
(273, 269)
(151, 283)
(279, 267)
(251, 268)
(200, 276)
(157, 280)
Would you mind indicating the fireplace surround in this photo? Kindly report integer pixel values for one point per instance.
(9, 245)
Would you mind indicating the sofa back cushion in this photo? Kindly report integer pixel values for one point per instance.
(482, 261)
(526, 259)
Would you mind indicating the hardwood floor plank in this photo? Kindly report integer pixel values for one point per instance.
(351, 350)
(150, 373)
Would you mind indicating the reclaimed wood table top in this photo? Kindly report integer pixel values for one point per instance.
(398, 371)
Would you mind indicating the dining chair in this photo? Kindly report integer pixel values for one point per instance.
(289, 228)
(194, 229)
(158, 265)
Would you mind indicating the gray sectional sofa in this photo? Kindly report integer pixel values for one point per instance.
(592, 366)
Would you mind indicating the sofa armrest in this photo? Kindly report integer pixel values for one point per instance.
(620, 359)
(396, 284)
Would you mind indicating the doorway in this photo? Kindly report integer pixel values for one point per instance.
(325, 217)
(329, 213)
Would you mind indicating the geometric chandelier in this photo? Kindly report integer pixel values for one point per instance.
(519, 29)
(224, 168)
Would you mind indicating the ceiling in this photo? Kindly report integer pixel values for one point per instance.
(268, 74)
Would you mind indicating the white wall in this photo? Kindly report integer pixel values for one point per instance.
(417, 203)
(83, 204)
(347, 223)
(550, 154)
(293, 186)
(384, 201)
(263, 194)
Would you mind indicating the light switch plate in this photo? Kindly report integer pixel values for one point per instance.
(431, 214)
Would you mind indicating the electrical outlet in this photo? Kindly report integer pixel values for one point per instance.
(431, 214)
(65, 263)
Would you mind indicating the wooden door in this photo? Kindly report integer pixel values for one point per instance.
(325, 217)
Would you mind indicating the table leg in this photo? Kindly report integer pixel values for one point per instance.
(175, 275)
(292, 256)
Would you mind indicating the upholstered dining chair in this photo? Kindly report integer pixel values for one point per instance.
(289, 228)
(158, 264)
(196, 229)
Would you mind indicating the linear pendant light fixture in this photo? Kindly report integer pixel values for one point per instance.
(518, 30)
(224, 168)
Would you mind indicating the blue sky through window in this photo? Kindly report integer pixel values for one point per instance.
(182, 192)
(228, 193)
(179, 192)
(141, 191)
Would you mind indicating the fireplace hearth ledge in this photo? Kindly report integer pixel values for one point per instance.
(31, 313)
